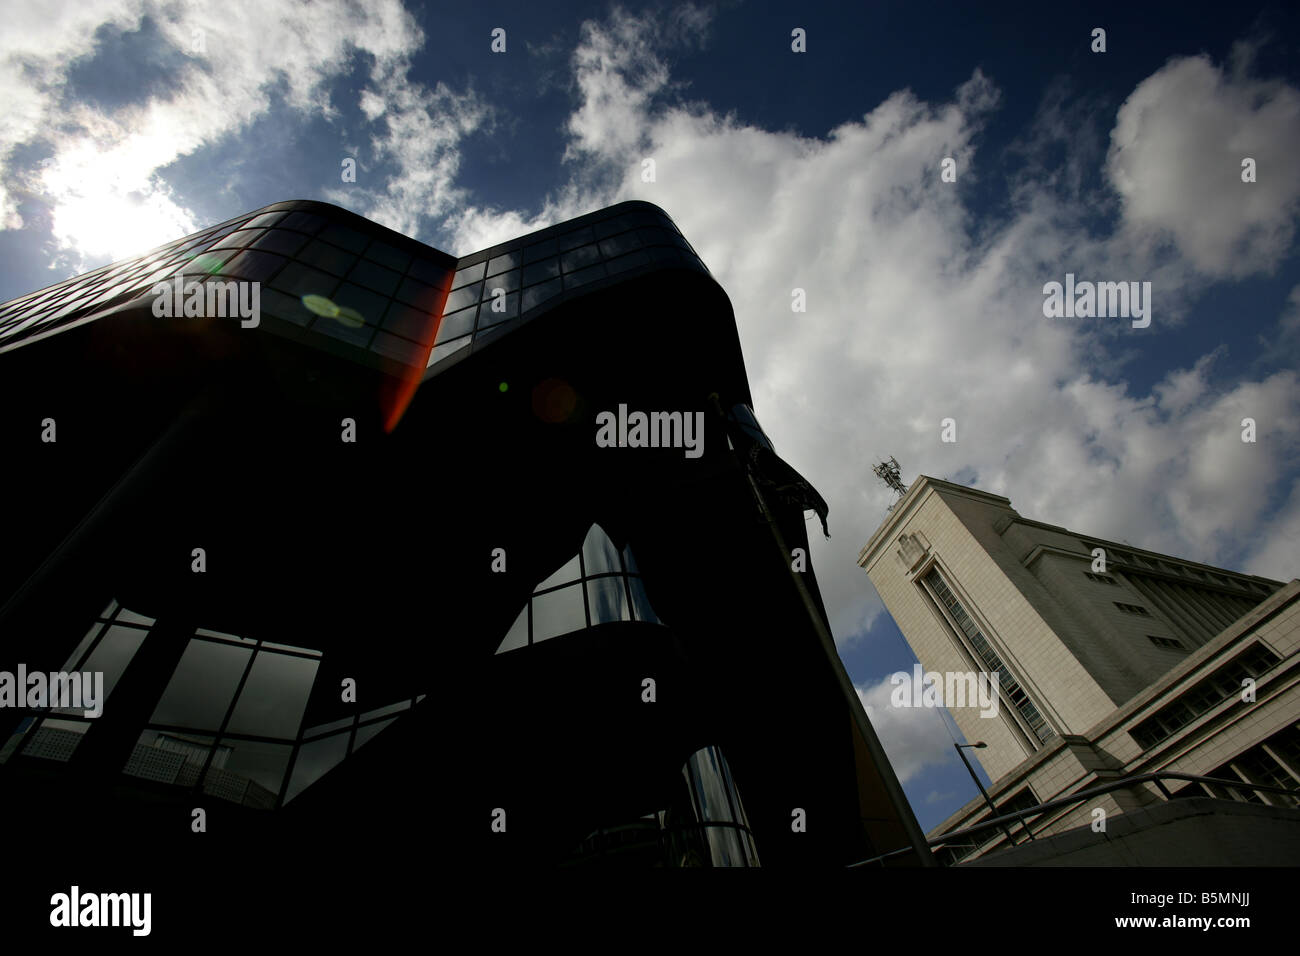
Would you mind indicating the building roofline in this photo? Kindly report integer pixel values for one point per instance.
(908, 503)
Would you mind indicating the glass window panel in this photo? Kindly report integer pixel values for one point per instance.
(541, 271)
(287, 307)
(303, 222)
(349, 239)
(368, 732)
(359, 336)
(204, 263)
(420, 294)
(399, 349)
(266, 219)
(517, 636)
(430, 272)
(579, 237)
(456, 324)
(75, 657)
(203, 685)
(508, 281)
(619, 245)
(574, 279)
(130, 617)
(314, 761)
(389, 256)
(571, 570)
(503, 262)
(469, 274)
(274, 696)
(463, 297)
(374, 276)
(257, 266)
(410, 323)
(252, 774)
(280, 240)
(113, 653)
(629, 261)
(327, 727)
(538, 294)
(655, 237)
(327, 258)
(641, 603)
(641, 217)
(607, 600)
(608, 227)
(540, 250)
(370, 305)
(299, 280)
(579, 258)
(489, 316)
(599, 555)
(241, 238)
(442, 351)
(558, 612)
(223, 635)
(665, 255)
(290, 647)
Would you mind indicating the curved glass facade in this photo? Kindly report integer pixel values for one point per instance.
(598, 585)
(328, 607)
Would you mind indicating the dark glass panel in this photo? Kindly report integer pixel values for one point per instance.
(456, 324)
(558, 612)
(504, 262)
(329, 258)
(374, 276)
(349, 239)
(541, 271)
(274, 697)
(469, 274)
(389, 256)
(202, 686)
(463, 297)
(538, 294)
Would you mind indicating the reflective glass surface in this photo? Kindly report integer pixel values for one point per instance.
(602, 575)
(295, 253)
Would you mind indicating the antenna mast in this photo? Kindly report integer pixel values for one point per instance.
(891, 474)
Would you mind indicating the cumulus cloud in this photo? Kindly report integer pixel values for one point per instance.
(225, 67)
(913, 317)
(1175, 159)
(914, 738)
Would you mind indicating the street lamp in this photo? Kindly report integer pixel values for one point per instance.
(993, 811)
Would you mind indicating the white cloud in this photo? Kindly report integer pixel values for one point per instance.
(255, 56)
(1175, 159)
(913, 318)
(913, 737)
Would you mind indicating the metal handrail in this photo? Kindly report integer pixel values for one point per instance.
(1073, 798)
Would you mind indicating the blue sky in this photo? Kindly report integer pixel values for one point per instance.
(129, 124)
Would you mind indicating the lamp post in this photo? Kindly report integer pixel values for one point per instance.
(993, 811)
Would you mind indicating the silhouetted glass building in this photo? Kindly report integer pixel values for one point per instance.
(332, 514)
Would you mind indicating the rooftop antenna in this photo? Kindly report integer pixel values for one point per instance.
(891, 474)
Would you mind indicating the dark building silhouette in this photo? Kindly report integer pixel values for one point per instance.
(363, 578)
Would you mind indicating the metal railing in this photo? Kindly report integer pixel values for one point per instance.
(1073, 798)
